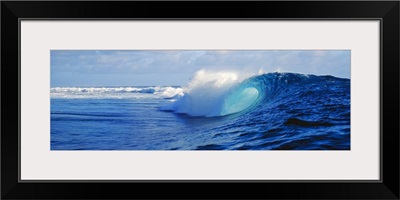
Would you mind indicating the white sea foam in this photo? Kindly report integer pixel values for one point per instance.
(116, 92)
(210, 93)
(170, 92)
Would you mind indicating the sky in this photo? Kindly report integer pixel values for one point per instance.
(175, 68)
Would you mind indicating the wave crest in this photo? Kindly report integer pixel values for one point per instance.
(217, 94)
(213, 94)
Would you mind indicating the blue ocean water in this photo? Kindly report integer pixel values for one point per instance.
(274, 111)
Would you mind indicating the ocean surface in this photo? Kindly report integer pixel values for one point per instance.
(218, 111)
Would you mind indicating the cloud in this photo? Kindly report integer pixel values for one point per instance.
(166, 62)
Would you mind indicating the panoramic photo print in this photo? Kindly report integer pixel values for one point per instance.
(200, 99)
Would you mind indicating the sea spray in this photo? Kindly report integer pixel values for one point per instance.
(208, 93)
(171, 93)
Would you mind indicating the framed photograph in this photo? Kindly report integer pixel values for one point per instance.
(297, 99)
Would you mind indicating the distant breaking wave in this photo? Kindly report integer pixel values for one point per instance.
(114, 92)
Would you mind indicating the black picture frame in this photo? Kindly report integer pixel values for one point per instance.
(13, 11)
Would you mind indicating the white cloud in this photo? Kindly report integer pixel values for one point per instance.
(109, 63)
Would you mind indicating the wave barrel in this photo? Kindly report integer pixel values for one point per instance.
(239, 101)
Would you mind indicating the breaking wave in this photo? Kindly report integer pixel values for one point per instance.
(115, 92)
(217, 94)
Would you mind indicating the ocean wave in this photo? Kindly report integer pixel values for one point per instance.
(207, 92)
(211, 94)
(115, 92)
(221, 110)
